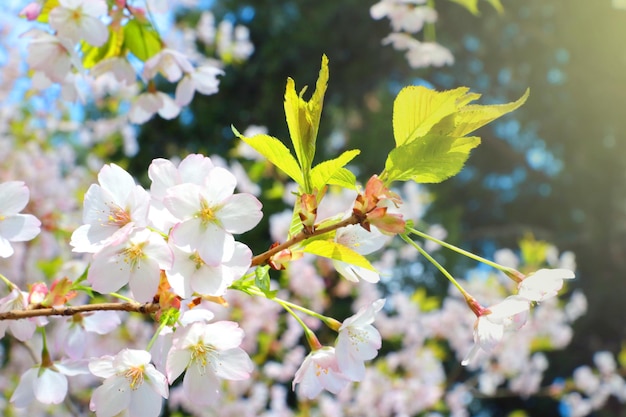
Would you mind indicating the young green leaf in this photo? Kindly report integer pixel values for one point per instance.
(470, 5)
(323, 172)
(334, 250)
(417, 109)
(112, 48)
(430, 159)
(141, 39)
(303, 118)
(275, 152)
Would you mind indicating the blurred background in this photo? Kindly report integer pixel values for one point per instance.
(555, 169)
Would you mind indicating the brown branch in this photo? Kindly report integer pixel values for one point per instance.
(265, 256)
(146, 308)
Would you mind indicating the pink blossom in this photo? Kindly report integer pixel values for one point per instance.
(80, 19)
(149, 103)
(170, 63)
(319, 371)
(22, 329)
(543, 284)
(363, 242)
(52, 55)
(203, 80)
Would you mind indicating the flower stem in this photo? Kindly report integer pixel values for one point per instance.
(308, 333)
(437, 265)
(122, 297)
(11, 285)
(156, 335)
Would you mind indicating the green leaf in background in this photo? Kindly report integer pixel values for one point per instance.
(430, 159)
(275, 152)
(112, 48)
(322, 173)
(334, 250)
(470, 5)
(303, 119)
(417, 109)
(141, 39)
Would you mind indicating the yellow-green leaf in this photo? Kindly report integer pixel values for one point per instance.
(323, 172)
(334, 250)
(303, 118)
(343, 178)
(470, 5)
(112, 48)
(45, 10)
(275, 152)
(430, 159)
(497, 5)
(141, 40)
(417, 109)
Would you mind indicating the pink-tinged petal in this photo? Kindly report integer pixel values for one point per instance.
(208, 280)
(158, 251)
(487, 333)
(144, 281)
(23, 329)
(179, 275)
(143, 108)
(14, 196)
(20, 227)
(94, 31)
(183, 200)
(195, 168)
(95, 8)
(23, 394)
(101, 322)
(350, 366)
(108, 272)
(205, 79)
(219, 185)
(116, 181)
(184, 91)
(355, 273)
(177, 362)
(216, 245)
(102, 367)
(157, 381)
(111, 398)
(145, 402)
(163, 175)
(72, 367)
(222, 335)
(201, 387)
(365, 315)
(233, 364)
(75, 342)
(360, 240)
(50, 387)
(241, 212)
(128, 358)
(508, 308)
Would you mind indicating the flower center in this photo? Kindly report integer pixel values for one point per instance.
(118, 216)
(206, 213)
(133, 253)
(200, 355)
(196, 259)
(134, 375)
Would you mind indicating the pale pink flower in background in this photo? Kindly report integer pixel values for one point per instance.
(80, 19)
(190, 274)
(21, 329)
(358, 341)
(119, 67)
(170, 63)
(509, 314)
(31, 11)
(149, 103)
(543, 284)
(15, 227)
(52, 55)
(131, 384)
(74, 332)
(363, 242)
(208, 352)
(111, 210)
(203, 80)
(319, 371)
(48, 385)
(136, 261)
(209, 215)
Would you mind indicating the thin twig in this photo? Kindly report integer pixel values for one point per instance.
(146, 308)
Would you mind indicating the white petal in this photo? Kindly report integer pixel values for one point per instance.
(184, 91)
(240, 213)
(50, 387)
(23, 394)
(13, 197)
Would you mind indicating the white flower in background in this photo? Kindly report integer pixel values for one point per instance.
(80, 19)
(358, 341)
(319, 371)
(15, 227)
(48, 384)
(21, 329)
(149, 103)
(208, 352)
(420, 54)
(363, 242)
(210, 214)
(111, 210)
(52, 55)
(509, 314)
(119, 67)
(206, 28)
(190, 274)
(203, 80)
(132, 384)
(170, 63)
(136, 261)
(543, 284)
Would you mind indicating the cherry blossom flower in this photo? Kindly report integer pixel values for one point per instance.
(320, 370)
(190, 274)
(208, 352)
(80, 19)
(509, 314)
(112, 210)
(363, 242)
(52, 55)
(170, 63)
(136, 261)
(15, 227)
(543, 284)
(46, 384)
(358, 341)
(119, 67)
(131, 384)
(149, 103)
(73, 334)
(203, 80)
(22, 329)
(210, 214)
